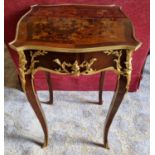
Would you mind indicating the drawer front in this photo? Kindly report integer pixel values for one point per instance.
(71, 63)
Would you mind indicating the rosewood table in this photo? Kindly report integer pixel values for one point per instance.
(75, 39)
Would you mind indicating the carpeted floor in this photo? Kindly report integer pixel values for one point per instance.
(76, 125)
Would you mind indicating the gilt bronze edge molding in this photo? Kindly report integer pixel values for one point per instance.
(73, 50)
(83, 73)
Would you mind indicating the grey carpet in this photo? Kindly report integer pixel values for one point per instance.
(76, 124)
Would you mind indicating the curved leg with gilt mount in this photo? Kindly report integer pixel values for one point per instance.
(122, 87)
(33, 99)
(116, 101)
(101, 82)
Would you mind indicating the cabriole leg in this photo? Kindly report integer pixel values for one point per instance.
(33, 99)
(101, 82)
(124, 66)
(49, 82)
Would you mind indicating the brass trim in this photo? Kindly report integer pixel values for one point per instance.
(118, 54)
(75, 67)
(106, 146)
(74, 4)
(93, 72)
(73, 50)
(33, 61)
(22, 68)
(127, 71)
(128, 65)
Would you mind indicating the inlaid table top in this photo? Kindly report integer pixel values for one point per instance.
(74, 28)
